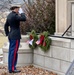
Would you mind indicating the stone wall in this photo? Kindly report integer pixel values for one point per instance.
(25, 54)
(58, 58)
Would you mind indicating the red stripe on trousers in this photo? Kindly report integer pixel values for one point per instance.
(15, 52)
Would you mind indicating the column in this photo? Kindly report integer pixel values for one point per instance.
(61, 16)
(73, 19)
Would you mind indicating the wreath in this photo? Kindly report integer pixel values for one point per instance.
(45, 41)
(33, 38)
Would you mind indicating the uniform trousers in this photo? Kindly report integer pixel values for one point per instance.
(13, 54)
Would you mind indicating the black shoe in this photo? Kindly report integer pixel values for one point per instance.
(15, 71)
(10, 71)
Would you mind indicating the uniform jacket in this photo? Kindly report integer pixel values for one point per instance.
(13, 21)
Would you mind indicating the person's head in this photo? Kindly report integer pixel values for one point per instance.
(15, 9)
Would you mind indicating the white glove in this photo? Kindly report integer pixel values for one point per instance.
(20, 11)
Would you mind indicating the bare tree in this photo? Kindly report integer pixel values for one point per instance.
(4, 5)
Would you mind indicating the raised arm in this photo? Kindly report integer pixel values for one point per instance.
(20, 17)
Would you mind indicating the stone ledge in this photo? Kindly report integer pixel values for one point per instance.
(61, 42)
(24, 38)
(40, 52)
(23, 48)
(61, 53)
(25, 54)
(72, 44)
(55, 52)
(64, 66)
(47, 62)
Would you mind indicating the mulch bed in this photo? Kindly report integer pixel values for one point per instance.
(27, 70)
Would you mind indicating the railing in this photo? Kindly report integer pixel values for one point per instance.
(66, 30)
(65, 37)
(62, 36)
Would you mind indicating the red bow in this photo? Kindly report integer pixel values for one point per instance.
(31, 37)
(41, 39)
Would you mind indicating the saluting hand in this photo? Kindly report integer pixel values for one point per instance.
(20, 11)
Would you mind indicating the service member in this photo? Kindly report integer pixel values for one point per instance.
(12, 30)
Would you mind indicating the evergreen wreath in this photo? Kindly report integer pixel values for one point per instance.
(45, 41)
(33, 37)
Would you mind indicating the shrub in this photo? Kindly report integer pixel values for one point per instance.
(40, 16)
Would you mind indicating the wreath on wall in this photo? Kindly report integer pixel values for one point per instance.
(32, 39)
(45, 41)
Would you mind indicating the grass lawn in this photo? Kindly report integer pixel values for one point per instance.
(3, 39)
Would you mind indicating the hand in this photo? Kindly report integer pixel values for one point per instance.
(20, 11)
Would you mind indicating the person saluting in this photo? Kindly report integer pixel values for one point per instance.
(13, 21)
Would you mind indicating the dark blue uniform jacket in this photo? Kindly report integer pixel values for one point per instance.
(13, 20)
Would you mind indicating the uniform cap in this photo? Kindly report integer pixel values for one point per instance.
(14, 7)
